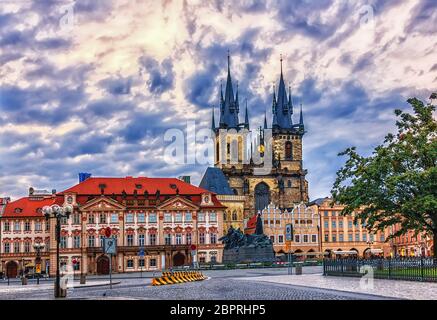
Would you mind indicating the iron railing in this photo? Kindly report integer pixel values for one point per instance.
(403, 268)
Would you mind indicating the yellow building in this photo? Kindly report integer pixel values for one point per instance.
(340, 233)
(233, 216)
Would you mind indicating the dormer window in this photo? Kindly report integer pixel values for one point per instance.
(139, 186)
(173, 186)
(18, 210)
(206, 199)
(69, 199)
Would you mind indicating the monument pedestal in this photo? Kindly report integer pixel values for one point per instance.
(249, 254)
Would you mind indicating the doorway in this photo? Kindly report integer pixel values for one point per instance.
(11, 269)
(178, 259)
(103, 265)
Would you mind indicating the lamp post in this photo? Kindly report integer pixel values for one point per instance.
(57, 212)
(38, 247)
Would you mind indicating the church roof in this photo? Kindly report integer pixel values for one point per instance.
(215, 181)
(229, 106)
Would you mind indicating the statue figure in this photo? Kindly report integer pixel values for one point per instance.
(246, 186)
(259, 226)
(235, 238)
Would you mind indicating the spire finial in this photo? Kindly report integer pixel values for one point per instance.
(213, 120)
(281, 63)
(265, 119)
(301, 117)
(246, 117)
(229, 61)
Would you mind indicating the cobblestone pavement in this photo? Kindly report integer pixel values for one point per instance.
(210, 273)
(212, 289)
(413, 290)
(221, 285)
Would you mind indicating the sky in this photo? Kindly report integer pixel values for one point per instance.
(93, 85)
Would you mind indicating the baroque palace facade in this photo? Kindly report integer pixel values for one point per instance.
(162, 216)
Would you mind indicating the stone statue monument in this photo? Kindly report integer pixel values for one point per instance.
(247, 248)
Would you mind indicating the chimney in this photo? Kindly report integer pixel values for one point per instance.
(185, 179)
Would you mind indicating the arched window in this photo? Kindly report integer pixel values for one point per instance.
(288, 151)
(262, 196)
(289, 183)
(234, 151)
(234, 216)
(224, 216)
(235, 191)
(217, 152)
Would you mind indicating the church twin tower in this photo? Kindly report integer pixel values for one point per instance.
(264, 165)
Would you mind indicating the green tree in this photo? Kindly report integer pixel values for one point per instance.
(397, 183)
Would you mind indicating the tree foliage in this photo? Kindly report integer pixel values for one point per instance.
(397, 183)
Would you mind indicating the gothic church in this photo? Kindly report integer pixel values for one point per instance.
(266, 169)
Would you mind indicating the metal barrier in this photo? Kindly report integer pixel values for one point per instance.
(409, 268)
(174, 277)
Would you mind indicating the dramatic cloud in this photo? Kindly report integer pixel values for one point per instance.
(93, 85)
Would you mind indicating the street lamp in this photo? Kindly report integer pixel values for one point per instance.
(38, 247)
(57, 212)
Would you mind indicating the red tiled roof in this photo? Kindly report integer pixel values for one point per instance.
(28, 206)
(251, 224)
(129, 184)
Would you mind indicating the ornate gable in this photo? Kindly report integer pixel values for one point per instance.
(102, 204)
(177, 203)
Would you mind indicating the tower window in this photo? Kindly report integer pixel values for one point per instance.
(288, 151)
(289, 183)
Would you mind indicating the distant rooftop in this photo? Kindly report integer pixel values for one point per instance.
(215, 181)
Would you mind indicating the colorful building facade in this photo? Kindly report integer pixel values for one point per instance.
(162, 217)
(339, 233)
(304, 220)
(411, 245)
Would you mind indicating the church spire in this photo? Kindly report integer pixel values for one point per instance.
(230, 105)
(265, 120)
(222, 106)
(274, 107)
(301, 119)
(213, 120)
(290, 105)
(246, 118)
(237, 103)
(282, 109)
